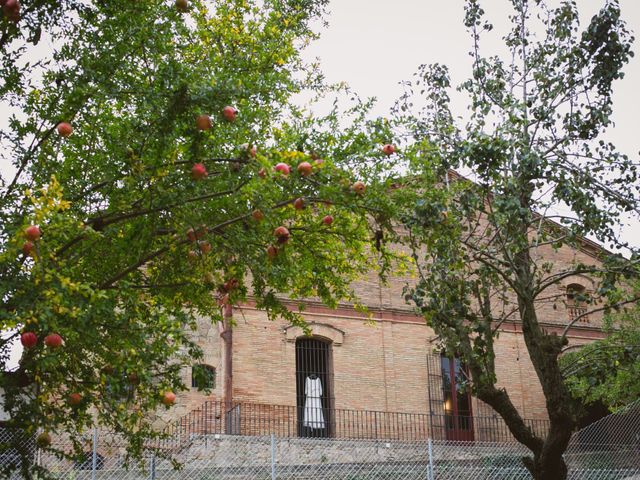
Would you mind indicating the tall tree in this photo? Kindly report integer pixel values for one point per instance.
(485, 249)
(156, 180)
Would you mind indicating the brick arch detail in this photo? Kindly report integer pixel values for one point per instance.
(578, 279)
(318, 330)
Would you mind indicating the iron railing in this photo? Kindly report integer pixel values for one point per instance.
(578, 311)
(254, 419)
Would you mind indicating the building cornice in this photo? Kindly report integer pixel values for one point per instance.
(315, 310)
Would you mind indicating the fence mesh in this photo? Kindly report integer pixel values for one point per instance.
(610, 444)
(608, 449)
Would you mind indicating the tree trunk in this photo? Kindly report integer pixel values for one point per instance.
(544, 349)
(547, 464)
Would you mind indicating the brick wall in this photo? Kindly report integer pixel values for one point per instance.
(379, 364)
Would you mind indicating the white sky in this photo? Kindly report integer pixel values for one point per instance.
(374, 44)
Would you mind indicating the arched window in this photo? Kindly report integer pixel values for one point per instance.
(203, 377)
(314, 387)
(577, 302)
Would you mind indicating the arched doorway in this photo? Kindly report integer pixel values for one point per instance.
(314, 387)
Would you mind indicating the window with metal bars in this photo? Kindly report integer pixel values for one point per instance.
(457, 399)
(314, 385)
(576, 303)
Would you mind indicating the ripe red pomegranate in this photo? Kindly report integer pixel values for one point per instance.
(199, 171)
(282, 234)
(388, 149)
(298, 203)
(272, 252)
(283, 168)
(27, 247)
(305, 169)
(28, 339)
(229, 113)
(11, 9)
(53, 340)
(75, 399)
(64, 129)
(327, 220)
(32, 232)
(205, 247)
(203, 122)
(169, 398)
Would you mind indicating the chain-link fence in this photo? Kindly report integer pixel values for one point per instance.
(610, 444)
(608, 449)
(263, 458)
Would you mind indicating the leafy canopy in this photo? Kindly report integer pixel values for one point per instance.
(493, 251)
(134, 249)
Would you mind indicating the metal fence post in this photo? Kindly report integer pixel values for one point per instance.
(152, 467)
(273, 457)
(430, 475)
(94, 454)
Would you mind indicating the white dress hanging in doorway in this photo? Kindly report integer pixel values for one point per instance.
(313, 416)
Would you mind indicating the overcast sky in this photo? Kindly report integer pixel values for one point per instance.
(374, 44)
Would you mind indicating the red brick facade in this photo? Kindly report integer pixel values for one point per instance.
(379, 363)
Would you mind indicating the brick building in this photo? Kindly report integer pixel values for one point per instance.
(374, 372)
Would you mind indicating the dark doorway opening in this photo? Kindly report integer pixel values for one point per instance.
(313, 387)
(457, 400)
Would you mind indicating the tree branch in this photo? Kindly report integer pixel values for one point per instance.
(595, 310)
(215, 229)
(104, 221)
